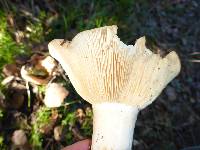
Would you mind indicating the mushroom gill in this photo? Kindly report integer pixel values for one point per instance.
(104, 69)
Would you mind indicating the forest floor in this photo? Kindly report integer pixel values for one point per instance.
(172, 122)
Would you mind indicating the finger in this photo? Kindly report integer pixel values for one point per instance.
(82, 145)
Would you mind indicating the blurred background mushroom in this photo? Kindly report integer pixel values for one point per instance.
(19, 138)
(39, 70)
(55, 95)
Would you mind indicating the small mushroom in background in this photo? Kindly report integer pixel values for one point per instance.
(117, 79)
(39, 71)
(55, 95)
(19, 138)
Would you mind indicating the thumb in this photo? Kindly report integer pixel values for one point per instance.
(82, 145)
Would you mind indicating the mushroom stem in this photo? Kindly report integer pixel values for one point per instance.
(113, 126)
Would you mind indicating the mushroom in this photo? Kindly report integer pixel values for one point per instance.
(39, 71)
(19, 138)
(117, 79)
(55, 95)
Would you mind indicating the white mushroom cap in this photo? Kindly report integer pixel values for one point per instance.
(49, 64)
(30, 78)
(103, 69)
(55, 95)
(19, 137)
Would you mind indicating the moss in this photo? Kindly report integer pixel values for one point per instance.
(8, 47)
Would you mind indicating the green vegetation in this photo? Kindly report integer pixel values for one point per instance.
(87, 126)
(1, 114)
(69, 121)
(35, 30)
(42, 118)
(2, 145)
(8, 47)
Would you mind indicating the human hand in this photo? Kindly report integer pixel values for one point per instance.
(81, 145)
